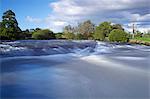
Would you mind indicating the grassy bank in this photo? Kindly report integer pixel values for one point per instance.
(141, 40)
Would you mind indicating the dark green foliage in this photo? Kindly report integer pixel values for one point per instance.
(105, 28)
(99, 35)
(102, 31)
(26, 34)
(43, 35)
(118, 35)
(9, 29)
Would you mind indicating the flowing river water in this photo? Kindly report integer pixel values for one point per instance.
(59, 69)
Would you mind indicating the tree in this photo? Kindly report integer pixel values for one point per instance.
(43, 35)
(86, 28)
(117, 26)
(99, 35)
(138, 34)
(32, 30)
(68, 32)
(26, 34)
(118, 35)
(9, 29)
(37, 29)
(105, 28)
(79, 36)
(102, 31)
(68, 29)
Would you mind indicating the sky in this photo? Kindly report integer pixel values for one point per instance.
(55, 14)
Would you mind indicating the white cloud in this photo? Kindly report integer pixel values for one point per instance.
(74, 11)
(140, 26)
(117, 11)
(66, 7)
(144, 17)
(137, 17)
(59, 23)
(33, 20)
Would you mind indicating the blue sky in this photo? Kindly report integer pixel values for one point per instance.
(55, 14)
(23, 8)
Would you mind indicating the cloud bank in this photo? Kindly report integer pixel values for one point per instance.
(125, 12)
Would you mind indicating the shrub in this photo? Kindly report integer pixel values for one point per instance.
(68, 36)
(58, 35)
(117, 35)
(79, 36)
(43, 35)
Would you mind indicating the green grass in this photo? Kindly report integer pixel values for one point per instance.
(142, 39)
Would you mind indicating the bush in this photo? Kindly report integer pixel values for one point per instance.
(117, 35)
(43, 35)
(79, 36)
(58, 35)
(68, 36)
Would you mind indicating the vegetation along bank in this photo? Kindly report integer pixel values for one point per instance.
(105, 31)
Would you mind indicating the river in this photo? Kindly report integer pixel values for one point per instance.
(59, 69)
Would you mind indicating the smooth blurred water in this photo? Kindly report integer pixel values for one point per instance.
(44, 47)
(61, 69)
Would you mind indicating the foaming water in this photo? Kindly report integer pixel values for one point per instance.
(59, 69)
(51, 47)
(48, 47)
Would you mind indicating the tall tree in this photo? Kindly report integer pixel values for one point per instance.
(68, 32)
(106, 28)
(86, 29)
(9, 28)
(68, 29)
(102, 31)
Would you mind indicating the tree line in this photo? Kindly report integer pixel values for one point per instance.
(105, 31)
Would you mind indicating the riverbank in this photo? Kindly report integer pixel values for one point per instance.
(138, 41)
